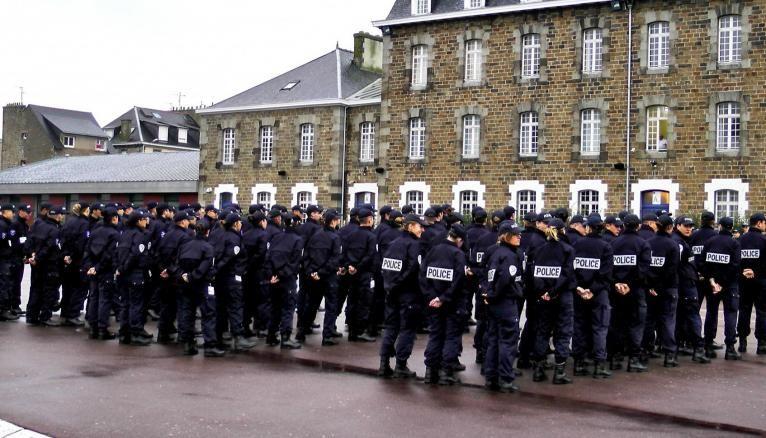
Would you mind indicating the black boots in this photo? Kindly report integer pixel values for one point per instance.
(539, 374)
(559, 374)
(710, 352)
(447, 377)
(731, 353)
(635, 365)
(761, 348)
(432, 376)
(361, 337)
(241, 343)
(288, 344)
(190, 348)
(615, 363)
(106, 335)
(272, 340)
(670, 360)
(329, 342)
(93, 333)
(164, 338)
(402, 371)
(742, 344)
(600, 371)
(699, 356)
(385, 368)
(579, 368)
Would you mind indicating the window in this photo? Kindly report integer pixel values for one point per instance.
(162, 134)
(729, 39)
(527, 202)
(267, 144)
(659, 44)
(726, 203)
(182, 135)
(100, 145)
(471, 136)
(657, 129)
(264, 198)
(473, 4)
(529, 125)
(728, 127)
(305, 199)
(587, 202)
(419, 66)
(362, 198)
(367, 143)
(68, 141)
(530, 55)
(415, 200)
(590, 132)
(473, 61)
(290, 85)
(228, 146)
(225, 199)
(592, 50)
(417, 139)
(421, 7)
(469, 199)
(307, 143)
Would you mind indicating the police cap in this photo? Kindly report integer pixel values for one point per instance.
(180, 216)
(365, 212)
(458, 230)
(754, 219)
(726, 222)
(8, 207)
(414, 218)
(664, 220)
(430, 212)
(386, 209)
(684, 220)
(631, 220)
(507, 227)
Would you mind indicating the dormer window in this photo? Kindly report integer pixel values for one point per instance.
(182, 135)
(290, 85)
(474, 4)
(67, 141)
(421, 7)
(162, 135)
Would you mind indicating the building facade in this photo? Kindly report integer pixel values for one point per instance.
(158, 131)
(532, 104)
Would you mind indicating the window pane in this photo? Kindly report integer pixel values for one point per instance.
(419, 65)
(726, 203)
(590, 135)
(657, 127)
(659, 44)
(471, 136)
(228, 146)
(588, 202)
(264, 198)
(728, 127)
(468, 200)
(729, 39)
(415, 200)
(473, 61)
(528, 135)
(417, 138)
(592, 51)
(307, 142)
(267, 144)
(526, 202)
(530, 55)
(367, 144)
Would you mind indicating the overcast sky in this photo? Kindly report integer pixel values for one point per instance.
(105, 56)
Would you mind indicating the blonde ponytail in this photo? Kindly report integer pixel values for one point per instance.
(551, 233)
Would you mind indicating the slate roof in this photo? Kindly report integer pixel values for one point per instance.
(159, 117)
(403, 8)
(150, 119)
(120, 168)
(317, 80)
(57, 121)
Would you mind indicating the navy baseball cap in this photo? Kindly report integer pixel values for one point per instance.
(313, 209)
(726, 222)
(631, 220)
(507, 227)
(364, 212)
(26, 208)
(509, 211)
(8, 207)
(611, 219)
(649, 217)
(386, 209)
(556, 223)
(354, 212)
(754, 219)
(458, 230)
(594, 220)
(684, 220)
(430, 212)
(577, 219)
(232, 218)
(707, 216)
(664, 220)
(330, 215)
(180, 216)
(414, 218)
(407, 209)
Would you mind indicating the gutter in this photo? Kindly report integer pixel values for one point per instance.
(303, 104)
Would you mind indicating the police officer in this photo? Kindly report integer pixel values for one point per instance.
(282, 266)
(358, 264)
(100, 264)
(688, 322)
(133, 267)
(345, 233)
(274, 224)
(160, 300)
(612, 227)
(6, 256)
(257, 301)
(400, 267)
(648, 227)
(211, 216)
(632, 258)
(662, 301)
(169, 242)
(551, 283)
(307, 231)
(194, 271)
(46, 260)
(576, 229)
(593, 265)
(442, 275)
(230, 265)
(378, 304)
(503, 291)
(74, 235)
(721, 257)
(19, 233)
(532, 237)
(752, 284)
(322, 261)
(697, 242)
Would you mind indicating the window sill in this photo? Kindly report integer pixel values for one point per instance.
(528, 157)
(658, 71)
(728, 153)
(731, 65)
(417, 88)
(471, 84)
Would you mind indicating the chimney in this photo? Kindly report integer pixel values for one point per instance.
(125, 129)
(368, 52)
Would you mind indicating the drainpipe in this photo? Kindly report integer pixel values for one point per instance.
(343, 167)
(630, 92)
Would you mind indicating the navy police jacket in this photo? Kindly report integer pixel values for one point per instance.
(74, 235)
(400, 265)
(721, 257)
(284, 255)
(480, 252)
(632, 257)
(550, 268)
(6, 240)
(442, 272)
(646, 232)
(308, 229)
(101, 251)
(687, 269)
(230, 257)
(359, 250)
(195, 257)
(322, 253)
(133, 259)
(384, 239)
(432, 236)
(19, 232)
(663, 272)
(255, 241)
(44, 243)
(167, 248)
(593, 263)
(697, 242)
(504, 273)
(573, 235)
(753, 244)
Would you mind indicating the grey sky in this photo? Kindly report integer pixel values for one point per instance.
(106, 56)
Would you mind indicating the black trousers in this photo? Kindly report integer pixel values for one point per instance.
(43, 293)
(190, 298)
(403, 313)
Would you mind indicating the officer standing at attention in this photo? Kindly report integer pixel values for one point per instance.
(632, 258)
(688, 322)
(576, 229)
(503, 290)
(550, 282)
(648, 227)
(697, 242)
(282, 266)
(6, 256)
(46, 260)
(378, 305)
(752, 284)
(257, 311)
(533, 236)
(593, 265)
(74, 235)
(663, 291)
(358, 261)
(194, 272)
(401, 269)
(612, 227)
(721, 268)
(19, 233)
(100, 265)
(307, 231)
(133, 265)
(167, 252)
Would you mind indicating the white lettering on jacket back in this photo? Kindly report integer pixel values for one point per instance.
(392, 265)
(547, 271)
(441, 274)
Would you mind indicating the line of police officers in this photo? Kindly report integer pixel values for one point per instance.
(600, 289)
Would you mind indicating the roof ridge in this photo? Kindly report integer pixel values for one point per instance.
(59, 109)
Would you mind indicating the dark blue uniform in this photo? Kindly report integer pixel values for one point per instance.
(480, 251)
(385, 233)
(531, 238)
(6, 255)
(721, 257)
(74, 287)
(195, 258)
(688, 322)
(663, 279)
(167, 246)
(257, 301)
(697, 242)
(752, 292)
(573, 236)
(19, 232)
(230, 265)
(344, 282)
(306, 231)
(134, 263)
(45, 245)
(359, 252)
(101, 255)
(646, 232)
(474, 233)
(283, 261)
(322, 255)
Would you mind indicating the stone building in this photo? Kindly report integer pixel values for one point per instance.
(159, 131)
(531, 103)
(306, 136)
(33, 133)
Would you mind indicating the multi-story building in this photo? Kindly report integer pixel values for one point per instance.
(33, 133)
(594, 105)
(306, 136)
(158, 131)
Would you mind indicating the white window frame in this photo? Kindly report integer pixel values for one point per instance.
(415, 186)
(527, 185)
(529, 134)
(659, 45)
(730, 39)
(421, 7)
(417, 203)
(589, 184)
(654, 117)
(307, 143)
(644, 185)
(304, 187)
(530, 55)
(162, 133)
(68, 141)
(728, 131)
(463, 186)
(590, 131)
(473, 61)
(229, 144)
(592, 50)
(726, 207)
(473, 4)
(735, 184)
(100, 145)
(362, 188)
(367, 142)
(471, 135)
(267, 144)
(420, 65)
(417, 143)
(183, 135)
(225, 188)
(271, 189)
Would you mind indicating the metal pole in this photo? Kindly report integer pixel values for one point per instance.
(630, 84)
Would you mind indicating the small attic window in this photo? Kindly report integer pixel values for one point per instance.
(156, 116)
(290, 85)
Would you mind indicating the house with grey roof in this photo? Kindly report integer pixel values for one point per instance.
(32, 133)
(297, 138)
(150, 130)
